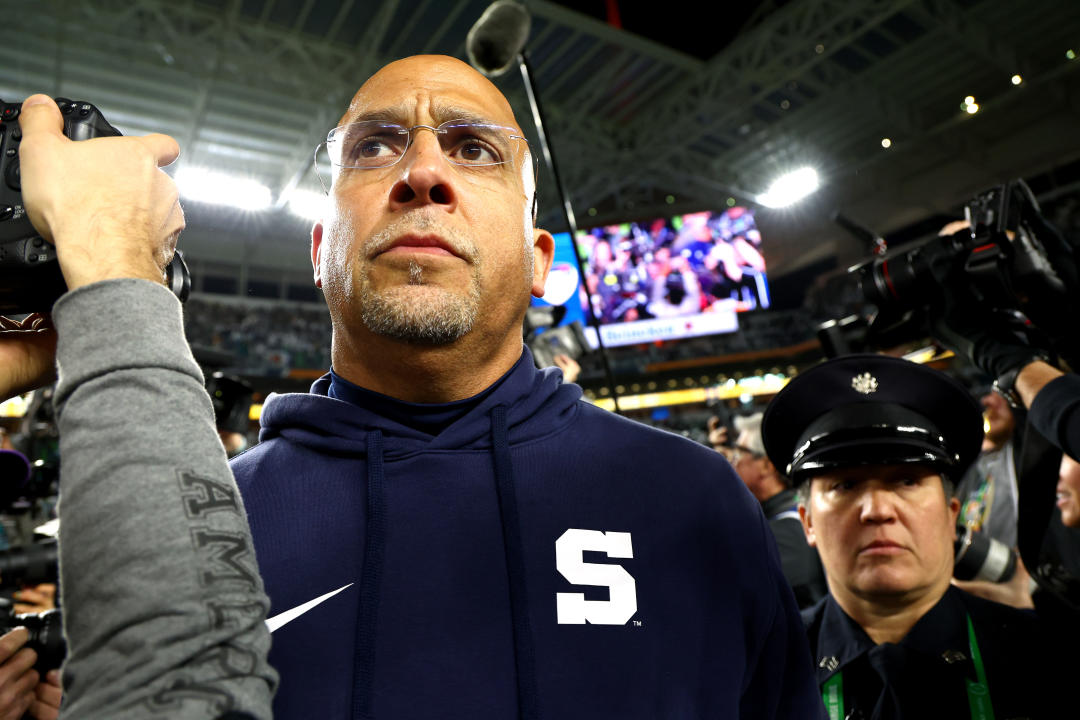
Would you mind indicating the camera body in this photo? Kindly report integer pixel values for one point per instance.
(46, 635)
(30, 277)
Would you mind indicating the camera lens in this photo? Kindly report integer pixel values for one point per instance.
(980, 557)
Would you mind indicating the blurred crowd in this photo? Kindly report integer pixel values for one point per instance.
(264, 340)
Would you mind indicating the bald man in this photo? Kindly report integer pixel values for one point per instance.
(445, 531)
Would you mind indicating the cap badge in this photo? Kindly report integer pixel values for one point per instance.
(865, 383)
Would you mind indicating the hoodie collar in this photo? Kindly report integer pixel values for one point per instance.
(428, 418)
(537, 403)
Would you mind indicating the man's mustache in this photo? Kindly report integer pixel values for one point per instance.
(420, 224)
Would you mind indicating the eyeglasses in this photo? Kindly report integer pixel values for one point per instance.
(373, 144)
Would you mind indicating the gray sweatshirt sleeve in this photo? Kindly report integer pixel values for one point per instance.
(162, 601)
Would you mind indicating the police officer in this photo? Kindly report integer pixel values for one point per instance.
(875, 444)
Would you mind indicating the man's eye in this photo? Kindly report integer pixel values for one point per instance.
(475, 152)
(372, 147)
(842, 485)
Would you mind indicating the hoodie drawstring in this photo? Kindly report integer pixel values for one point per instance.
(370, 579)
(371, 575)
(524, 657)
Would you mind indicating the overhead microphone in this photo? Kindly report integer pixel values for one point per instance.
(494, 42)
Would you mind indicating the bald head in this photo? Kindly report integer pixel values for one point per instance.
(417, 84)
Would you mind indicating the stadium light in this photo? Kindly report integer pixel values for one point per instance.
(790, 188)
(218, 188)
(307, 204)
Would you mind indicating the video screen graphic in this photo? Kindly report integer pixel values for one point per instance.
(563, 285)
(669, 278)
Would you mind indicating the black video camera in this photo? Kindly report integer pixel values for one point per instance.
(1000, 262)
(30, 277)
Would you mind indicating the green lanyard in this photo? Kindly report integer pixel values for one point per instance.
(978, 692)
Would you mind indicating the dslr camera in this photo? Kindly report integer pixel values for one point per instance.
(30, 565)
(46, 634)
(30, 277)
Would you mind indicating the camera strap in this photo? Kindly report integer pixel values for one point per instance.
(978, 691)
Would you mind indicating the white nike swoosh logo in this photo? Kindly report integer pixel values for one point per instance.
(289, 615)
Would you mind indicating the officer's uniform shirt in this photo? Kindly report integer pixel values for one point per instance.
(877, 410)
(925, 675)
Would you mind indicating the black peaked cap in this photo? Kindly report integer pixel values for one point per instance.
(871, 410)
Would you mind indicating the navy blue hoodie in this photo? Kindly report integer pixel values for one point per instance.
(537, 558)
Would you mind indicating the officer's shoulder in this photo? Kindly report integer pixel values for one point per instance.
(987, 613)
(811, 616)
(1007, 630)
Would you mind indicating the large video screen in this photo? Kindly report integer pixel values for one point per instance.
(669, 278)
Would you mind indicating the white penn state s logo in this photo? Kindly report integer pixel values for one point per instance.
(573, 608)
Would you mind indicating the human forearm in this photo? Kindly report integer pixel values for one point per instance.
(163, 605)
(1033, 378)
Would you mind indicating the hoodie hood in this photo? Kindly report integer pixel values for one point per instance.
(536, 401)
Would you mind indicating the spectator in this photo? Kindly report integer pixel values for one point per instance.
(1068, 492)
(988, 492)
(799, 561)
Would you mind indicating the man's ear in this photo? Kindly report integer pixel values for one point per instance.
(807, 525)
(543, 253)
(316, 252)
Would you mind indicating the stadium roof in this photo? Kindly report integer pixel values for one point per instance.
(663, 115)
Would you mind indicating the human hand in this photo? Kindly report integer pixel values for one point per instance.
(718, 437)
(725, 254)
(27, 354)
(748, 254)
(18, 679)
(104, 202)
(35, 598)
(47, 696)
(569, 366)
(1015, 592)
(971, 330)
